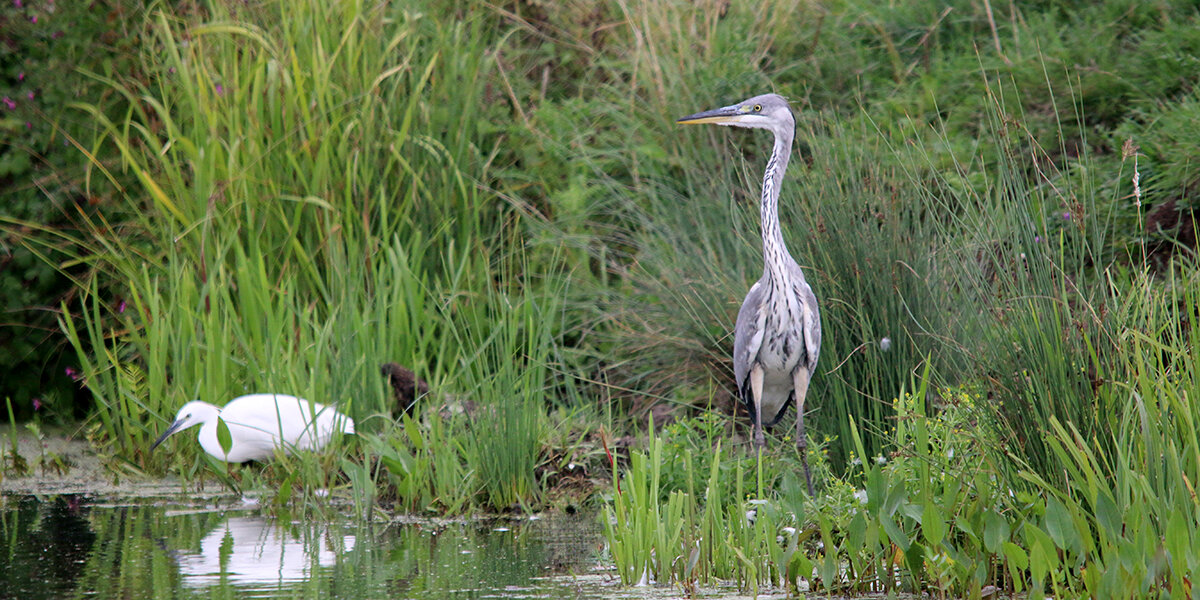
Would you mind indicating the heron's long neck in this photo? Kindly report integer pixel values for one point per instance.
(775, 252)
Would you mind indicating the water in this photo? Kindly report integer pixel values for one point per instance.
(70, 547)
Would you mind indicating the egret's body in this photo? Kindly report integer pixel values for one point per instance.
(777, 337)
(259, 424)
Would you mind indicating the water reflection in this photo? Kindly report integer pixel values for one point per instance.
(55, 540)
(251, 551)
(66, 548)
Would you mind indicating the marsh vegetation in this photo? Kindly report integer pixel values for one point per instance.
(992, 201)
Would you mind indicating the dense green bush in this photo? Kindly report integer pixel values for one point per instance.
(46, 53)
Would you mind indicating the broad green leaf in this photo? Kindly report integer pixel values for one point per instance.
(224, 437)
(1016, 555)
(1177, 536)
(876, 490)
(798, 566)
(1108, 516)
(285, 491)
(895, 498)
(1017, 561)
(856, 534)
(932, 524)
(914, 557)
(895, 533)
(1059, 526)
(412, 428)
(995, 531)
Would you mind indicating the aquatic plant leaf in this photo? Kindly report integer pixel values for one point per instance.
(895, 534)
(995, 531)
(1108, 516)
(224, 437)
(1058, 524)
(285, 491)
(932, 524)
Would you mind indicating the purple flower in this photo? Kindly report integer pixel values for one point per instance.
(29, 95)
(1066, 216)
(9, 103)
(33, 19)
(17, 3)
(37, 405)
(121, 307)
(72, 373)
(1037, 238)
(21, 76)
(28, 125)
(220, 90)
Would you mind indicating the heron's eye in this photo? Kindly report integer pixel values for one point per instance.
(757, 108)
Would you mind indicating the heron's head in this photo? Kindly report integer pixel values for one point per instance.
(191, 414)
(768, 111)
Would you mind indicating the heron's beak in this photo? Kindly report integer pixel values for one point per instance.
(166, 434)
(725, 115)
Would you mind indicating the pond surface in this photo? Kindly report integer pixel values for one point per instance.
(72, 547)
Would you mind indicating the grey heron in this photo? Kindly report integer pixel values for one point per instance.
(778, 333)
(260, 423)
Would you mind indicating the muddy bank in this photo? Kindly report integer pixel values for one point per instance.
(62, 464)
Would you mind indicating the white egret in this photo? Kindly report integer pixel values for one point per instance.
(259, 424)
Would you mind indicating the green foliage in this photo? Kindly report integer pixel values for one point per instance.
(272, 253)
(43, 189)
(498, 198)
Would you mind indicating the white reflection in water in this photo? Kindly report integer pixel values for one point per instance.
(252, 551)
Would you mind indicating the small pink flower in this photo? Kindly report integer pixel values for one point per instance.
(9, 103)
(220, 90)
(72, 373)
(121, 307)
(1066, 216)
(37, 405)
(17, 3)
(28, 125)
(21, 76)
(29, 95)
(33, 19)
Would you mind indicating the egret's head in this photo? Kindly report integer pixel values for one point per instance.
(192, 413)
(768, 111)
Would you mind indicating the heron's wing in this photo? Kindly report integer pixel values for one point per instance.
(747, 334)
(812, 328)
(810, 316)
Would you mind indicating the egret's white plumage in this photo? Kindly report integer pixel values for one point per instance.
(259, 424)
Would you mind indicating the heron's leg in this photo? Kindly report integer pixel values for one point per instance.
(756, 388)
(800, 390)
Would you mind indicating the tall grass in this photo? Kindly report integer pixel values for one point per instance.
(318, 188)
(308, 207)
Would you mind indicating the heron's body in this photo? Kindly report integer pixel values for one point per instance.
(777, 338)
(259, 424)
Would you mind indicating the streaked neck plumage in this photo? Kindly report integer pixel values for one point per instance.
(775, 252)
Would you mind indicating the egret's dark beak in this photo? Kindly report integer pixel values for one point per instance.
(719, 116)
(166, 434)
